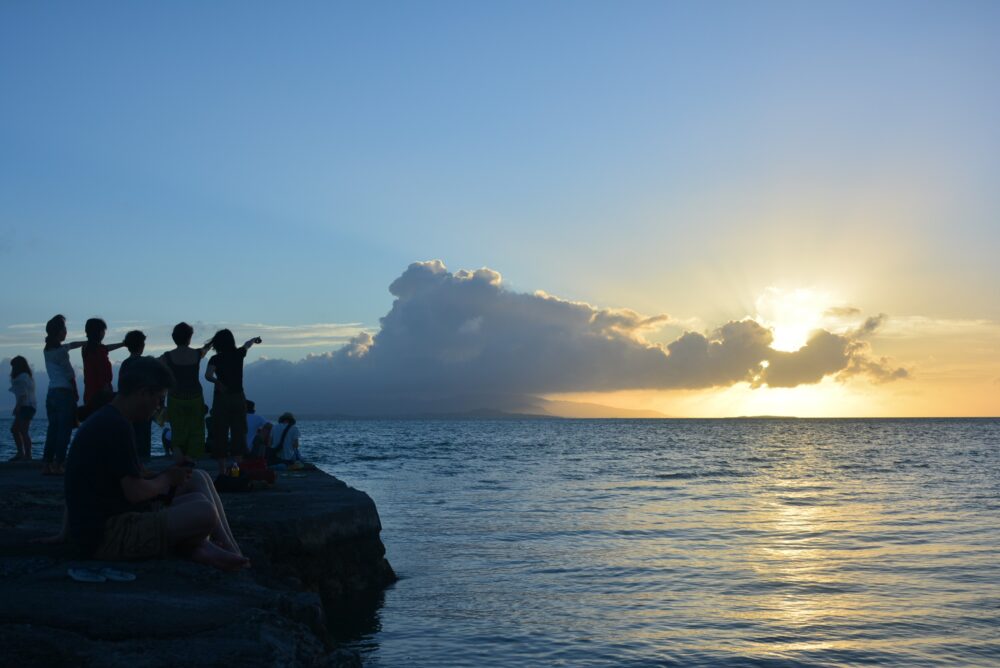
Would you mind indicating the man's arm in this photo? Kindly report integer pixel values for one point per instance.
(115, 346)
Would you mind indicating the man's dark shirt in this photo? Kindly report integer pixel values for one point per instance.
(229, 369)
(102, 453)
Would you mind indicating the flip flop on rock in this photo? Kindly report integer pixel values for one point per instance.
(116, 575)
(86, 575)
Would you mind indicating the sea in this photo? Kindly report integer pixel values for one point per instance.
(737, 542)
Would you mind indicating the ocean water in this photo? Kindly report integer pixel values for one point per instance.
(678, 542)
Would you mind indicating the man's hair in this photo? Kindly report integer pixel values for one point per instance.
(251, 406)
(135, 341)
(146, 373)
(94, 327)
(182, 333)
(286, 418)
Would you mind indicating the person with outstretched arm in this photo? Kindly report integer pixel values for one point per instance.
(229, 404)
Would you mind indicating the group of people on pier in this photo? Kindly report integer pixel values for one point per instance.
(185, 406)
(115, 507)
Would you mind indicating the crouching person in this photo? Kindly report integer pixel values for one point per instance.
(113, 512)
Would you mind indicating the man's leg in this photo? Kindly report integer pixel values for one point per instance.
(201, 486)
(188, 525)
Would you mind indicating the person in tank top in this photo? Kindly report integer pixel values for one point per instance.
(185, 401)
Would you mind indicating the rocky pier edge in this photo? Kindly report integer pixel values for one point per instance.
(319, 569)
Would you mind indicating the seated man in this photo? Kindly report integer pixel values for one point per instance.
(284, 449)
(112, 512)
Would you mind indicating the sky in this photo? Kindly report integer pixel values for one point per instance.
(596, 184)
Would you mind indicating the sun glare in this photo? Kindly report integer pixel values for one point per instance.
(792, 315)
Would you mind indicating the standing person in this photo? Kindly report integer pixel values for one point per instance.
(97, 375)
(186, 402)
(135, 341)
(229, 404)
(61, 398)
(22, 384)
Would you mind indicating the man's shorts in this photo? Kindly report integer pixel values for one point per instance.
(134, 536)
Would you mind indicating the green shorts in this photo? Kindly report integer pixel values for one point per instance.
(187, 422)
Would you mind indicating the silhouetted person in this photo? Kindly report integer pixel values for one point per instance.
(285, 442)
(135, 341)
(229, 404)
(186, 403)
(254, 425)
(22, 384)
(113, 512)
(97, 374)
(61, 398)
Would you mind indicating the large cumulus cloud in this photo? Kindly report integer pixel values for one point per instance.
(456, 341)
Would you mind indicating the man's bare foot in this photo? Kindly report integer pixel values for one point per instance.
(210, 554)
(227, 546)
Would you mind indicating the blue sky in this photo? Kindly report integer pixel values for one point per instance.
(260, 162)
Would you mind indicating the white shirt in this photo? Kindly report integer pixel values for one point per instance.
(287, 448)
(61, 374)
(23, 387)
(254, 422)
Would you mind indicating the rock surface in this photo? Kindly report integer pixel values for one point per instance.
(318, 567)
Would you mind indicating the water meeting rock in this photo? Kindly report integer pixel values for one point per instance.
(318, 567)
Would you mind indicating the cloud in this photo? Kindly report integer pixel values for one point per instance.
(842, 312)
(462, 341)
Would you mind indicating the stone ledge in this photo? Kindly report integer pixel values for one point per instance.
(317, 555)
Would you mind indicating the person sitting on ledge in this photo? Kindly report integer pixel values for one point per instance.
(113, 513)
(284, 449)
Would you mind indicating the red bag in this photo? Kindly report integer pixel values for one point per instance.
(255, 468)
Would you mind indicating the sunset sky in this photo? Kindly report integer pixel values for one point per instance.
(633, 177)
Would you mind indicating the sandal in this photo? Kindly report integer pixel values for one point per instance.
(86, 575)
(116, 575)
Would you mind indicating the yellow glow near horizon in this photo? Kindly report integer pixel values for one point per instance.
(792, 315)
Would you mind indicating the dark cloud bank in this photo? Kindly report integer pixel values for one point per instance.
(459, 342)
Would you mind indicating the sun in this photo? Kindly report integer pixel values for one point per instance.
(792, 315)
